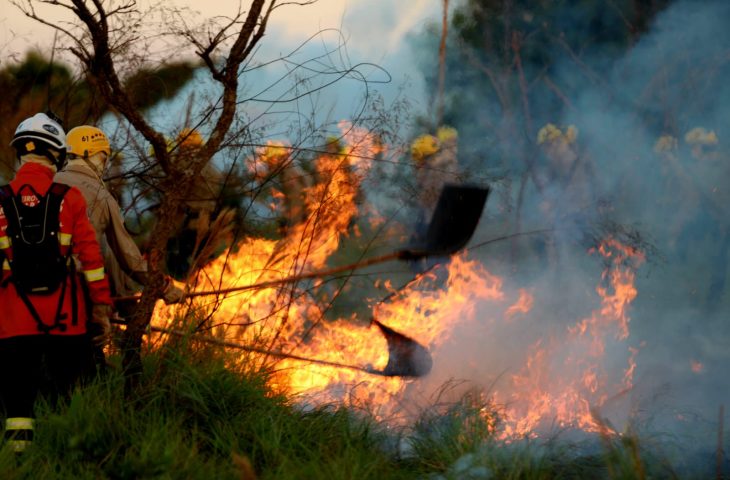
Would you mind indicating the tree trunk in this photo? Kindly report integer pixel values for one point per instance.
(169, 215)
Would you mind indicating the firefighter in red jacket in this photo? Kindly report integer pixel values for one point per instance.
(44, 347)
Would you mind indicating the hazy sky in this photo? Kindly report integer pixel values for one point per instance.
(375, 25)
(375, 31)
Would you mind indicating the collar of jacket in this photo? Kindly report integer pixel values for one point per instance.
(29, 170)
(81, 169)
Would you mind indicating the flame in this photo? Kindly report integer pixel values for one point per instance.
(522, 305)
(697, 367)
(564, 380)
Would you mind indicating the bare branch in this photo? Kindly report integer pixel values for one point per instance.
(101, 65)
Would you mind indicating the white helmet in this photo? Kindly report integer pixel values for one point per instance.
(43, 135)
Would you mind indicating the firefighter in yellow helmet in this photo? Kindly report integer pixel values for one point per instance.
(436, 162)
(559, 146)
(703, 142)
(206, 224)
(567, 200)
(709, 228)
(275, 167)
(88, 155)
(204, 197)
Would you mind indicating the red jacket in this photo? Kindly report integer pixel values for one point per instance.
(76, 233)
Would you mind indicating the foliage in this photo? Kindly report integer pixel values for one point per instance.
(520, 62)
(193, 417)
(38, 83)
(197, 414)
(147, 86)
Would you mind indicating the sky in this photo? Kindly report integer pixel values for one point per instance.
(375, 31)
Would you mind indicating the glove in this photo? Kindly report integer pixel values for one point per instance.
(172, 293)
(100, 328)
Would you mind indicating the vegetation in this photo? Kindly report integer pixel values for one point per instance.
(38, 83)
(515, 67)
(195, 415)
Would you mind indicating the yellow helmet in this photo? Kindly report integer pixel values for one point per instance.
(444, 134)
(189, 138)
(665, 144)
(701, 136)
(551, 133)
(424, 146)
(85, 141)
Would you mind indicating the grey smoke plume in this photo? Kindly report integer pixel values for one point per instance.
(652, 178)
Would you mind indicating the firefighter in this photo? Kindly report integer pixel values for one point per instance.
(568, 200)
(436, 161)
(676, 195)
(89, 151)
(708, 169)
(275, 166)
(193, 237)
(44, 320)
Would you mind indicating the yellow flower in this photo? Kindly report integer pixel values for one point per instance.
(700, 136)
(665, 143)
(424, 146)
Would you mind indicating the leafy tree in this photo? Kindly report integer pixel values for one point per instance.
(38, 83)
(505, 66)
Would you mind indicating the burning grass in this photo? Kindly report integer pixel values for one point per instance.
(194, 416)
(564, 368)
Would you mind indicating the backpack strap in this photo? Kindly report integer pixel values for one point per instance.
(56, 193)
(6, 192)
(54, 197)
(59, 189)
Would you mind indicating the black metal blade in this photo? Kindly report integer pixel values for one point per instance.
(453, 222)
(406, 357)
(455, 218)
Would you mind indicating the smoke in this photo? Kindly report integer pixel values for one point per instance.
(667, 197)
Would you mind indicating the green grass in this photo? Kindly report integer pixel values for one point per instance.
(195, 419)
(193, 416)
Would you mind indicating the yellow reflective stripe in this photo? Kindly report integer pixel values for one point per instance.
(4, 242)
(64, 239)
(18, 446)
(19, 423)
(6, 264)
(94, 275)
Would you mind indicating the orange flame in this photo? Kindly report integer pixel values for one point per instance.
(697, 367)
(522, 305)
(563, 381)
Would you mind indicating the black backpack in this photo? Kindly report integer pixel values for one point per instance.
(37, 267)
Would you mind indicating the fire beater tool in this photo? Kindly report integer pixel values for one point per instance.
(452, 224)
(406, 357)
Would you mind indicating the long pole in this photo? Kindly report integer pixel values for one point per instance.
(247, 348)
(399, 255)
(294, 278)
